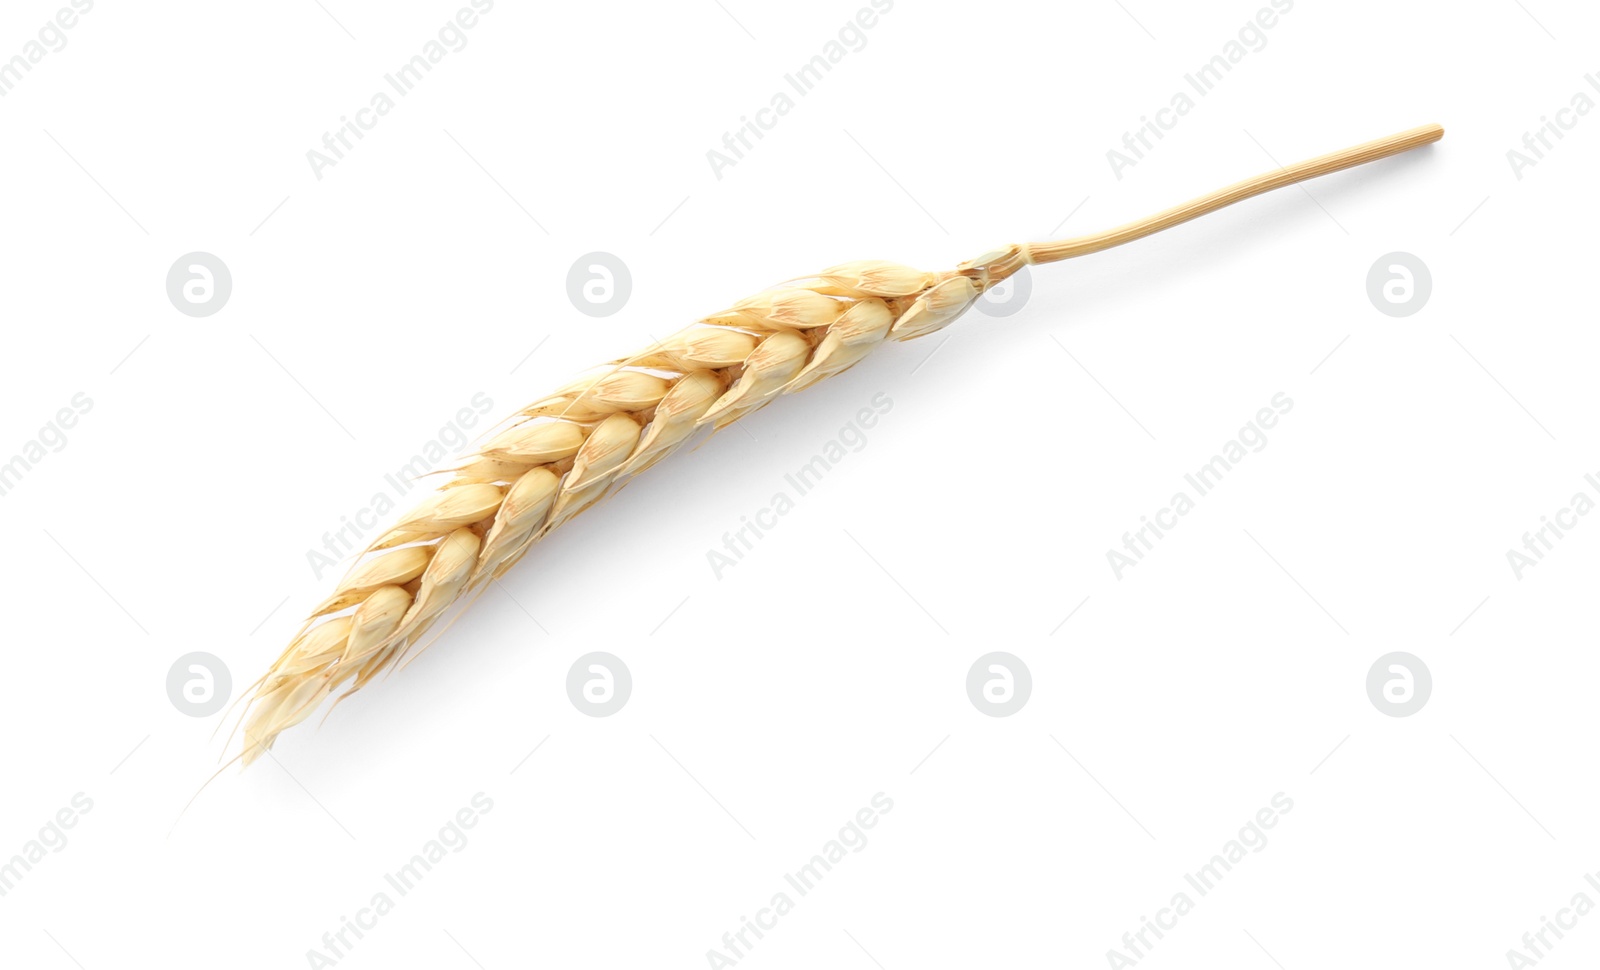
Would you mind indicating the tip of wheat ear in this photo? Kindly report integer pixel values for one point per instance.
(564, 453)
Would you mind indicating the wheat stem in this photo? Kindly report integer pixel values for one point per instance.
(1050, 252)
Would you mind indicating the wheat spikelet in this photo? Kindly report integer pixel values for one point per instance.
(564, 453)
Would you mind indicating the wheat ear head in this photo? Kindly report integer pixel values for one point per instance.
(564, 453)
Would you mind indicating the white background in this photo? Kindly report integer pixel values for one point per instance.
(830, 664)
